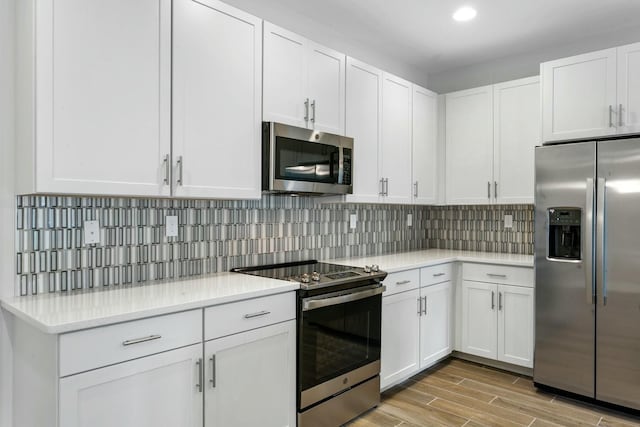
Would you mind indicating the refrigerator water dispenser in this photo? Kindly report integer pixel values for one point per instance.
(564, 233)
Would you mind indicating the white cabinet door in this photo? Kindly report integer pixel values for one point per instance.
(424, 145)
(158, 390)
(400, 355)
(435, 324)
(469, 146)
(479, 319)
(515, 325)
(285, 77)
(250, 378)
(396, 139)
(579, 96)
(103, 89)
(326, 88)
(516, 133)
(363, 120)
(217, 81)
(629, 88)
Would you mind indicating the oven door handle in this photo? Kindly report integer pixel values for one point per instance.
(319, 302)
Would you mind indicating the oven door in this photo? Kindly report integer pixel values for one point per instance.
(339, 342)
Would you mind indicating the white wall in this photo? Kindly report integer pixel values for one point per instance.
(7, 204)
(525, 65)
(304, 25)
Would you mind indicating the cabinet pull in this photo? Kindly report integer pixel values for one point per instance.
(620, 115)
(419, 300)
(199, 383)
(495, 189)
(386, 186)
(212, 359)
(141, 340)
(179, 164)
(415, 189)
(258, 314)
(502, 276)
(438, 274)
(493, 300)
(499, 301)
(313, 111)
(166, 170)
(425, 305)
(610, 116)
(488, 190)
(306, 110)
(403, 282)
(381, 193)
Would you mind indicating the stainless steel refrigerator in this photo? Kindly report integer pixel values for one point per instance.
(587, 261)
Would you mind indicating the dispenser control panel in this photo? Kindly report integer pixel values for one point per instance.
(564, 233)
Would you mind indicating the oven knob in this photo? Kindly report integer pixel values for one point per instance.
(375, 268)
(315, 276)
(367, 269)
(304, 278)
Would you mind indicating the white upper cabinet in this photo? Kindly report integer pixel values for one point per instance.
(629, 88)
(304, 83)
(579, 96)
(100, 123)
(424, 145)
(363, 122)
(217, 82)
(469, 146)
(396, 139)
(516, 133)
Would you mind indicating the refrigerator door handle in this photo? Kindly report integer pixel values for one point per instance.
(588, 244)
(601, 277)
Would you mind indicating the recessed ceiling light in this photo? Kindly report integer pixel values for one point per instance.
(465, 13)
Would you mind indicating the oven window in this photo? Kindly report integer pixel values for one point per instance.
(337, 339)
(306, 161)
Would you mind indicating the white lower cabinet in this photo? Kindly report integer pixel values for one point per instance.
(157, 390)
(416, 324)
(497, 318)
(250, 378)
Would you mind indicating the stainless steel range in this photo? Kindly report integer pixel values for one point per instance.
(338, 352)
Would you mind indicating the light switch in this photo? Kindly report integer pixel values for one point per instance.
(172, 226)
(409, 220)
(508, 221)
(91, 232)
(353, 220)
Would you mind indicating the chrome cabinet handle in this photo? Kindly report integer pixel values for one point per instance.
(488, 189)
(212, 380)
(493, 299)
(620, 115)
(258, 314)
(610, 116)
(587, 245)
(415, 189)
(499, 301)
(179, 163)
(495, 189)
(306, 110)
(438, 274)
(381, 193)
(419, 300)
(313, 111)
(141, 340)
(386, 186)
(403, 282)
(425, 305)
(503, 276)
(167, 168)
(199, 383)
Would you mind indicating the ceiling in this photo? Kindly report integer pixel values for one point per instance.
(422, 34)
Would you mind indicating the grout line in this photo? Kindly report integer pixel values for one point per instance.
(460, 382)
(468, 421)
(515, 381)
(600, 420)
(533, 421)
(553, 399)
(431, 401)
(491, 401)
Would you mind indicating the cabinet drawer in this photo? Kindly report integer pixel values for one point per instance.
(402, 281)
(520, 276)
(227, 319)
(436, 274)
(93, 348)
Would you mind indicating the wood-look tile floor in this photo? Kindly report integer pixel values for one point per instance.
(460, 393)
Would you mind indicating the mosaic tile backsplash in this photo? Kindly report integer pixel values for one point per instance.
(215, 236)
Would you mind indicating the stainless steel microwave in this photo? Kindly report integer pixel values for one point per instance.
(298, 160)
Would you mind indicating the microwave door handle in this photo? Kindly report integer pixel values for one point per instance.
(341, 165)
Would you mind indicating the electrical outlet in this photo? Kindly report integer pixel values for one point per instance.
(91, 232)
(508, 221)
(172, 226)
(409, 220)
(353, 220)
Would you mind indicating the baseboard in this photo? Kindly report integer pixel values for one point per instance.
(494, 363)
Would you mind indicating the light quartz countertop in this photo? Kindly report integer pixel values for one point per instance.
(57, 313)
(392, 263)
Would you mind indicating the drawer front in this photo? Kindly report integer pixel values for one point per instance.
(93, 348)
(402, 281)
(227, 319)
(436, 274)
(519, 276)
